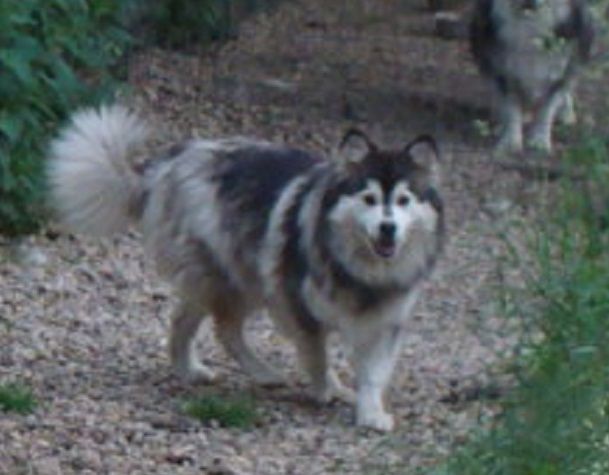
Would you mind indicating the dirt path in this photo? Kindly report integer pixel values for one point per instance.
(88, 330)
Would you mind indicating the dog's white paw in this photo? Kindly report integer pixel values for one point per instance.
(323, 395)
(566, 113)
(195, 372)
(509, 144)
(378, 420)
(568, 116)
(334, 389)
(345, 394)
(540, 141)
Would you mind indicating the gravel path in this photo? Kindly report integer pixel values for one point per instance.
(87, 328)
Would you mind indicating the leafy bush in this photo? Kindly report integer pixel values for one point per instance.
(178, 23)
(186, 23)
(54, 55)
(557, 420)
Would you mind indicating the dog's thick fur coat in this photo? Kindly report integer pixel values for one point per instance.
(238, 225)
(532, 51)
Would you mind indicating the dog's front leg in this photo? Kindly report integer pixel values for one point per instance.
(375, 354)
(566, 112)
(541, 130)
(511, 122)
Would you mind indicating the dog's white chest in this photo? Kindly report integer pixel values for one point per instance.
(338, 310)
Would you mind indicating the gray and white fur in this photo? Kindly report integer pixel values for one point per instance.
(238, 225)
(532, 51)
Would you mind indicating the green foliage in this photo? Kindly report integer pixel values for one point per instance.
(239, 413)
(187, 23)
(55, 55)
(16, 398)
(557, 420)
(183, 22)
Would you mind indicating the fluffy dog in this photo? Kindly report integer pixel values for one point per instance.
(238, 225)
(532, 51)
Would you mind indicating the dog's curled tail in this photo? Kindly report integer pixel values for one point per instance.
(94, 184)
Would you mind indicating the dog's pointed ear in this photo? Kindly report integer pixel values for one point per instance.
(424, 152)
(353, 147)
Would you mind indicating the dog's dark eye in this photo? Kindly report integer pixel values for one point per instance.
(370, 199)
(403, 200)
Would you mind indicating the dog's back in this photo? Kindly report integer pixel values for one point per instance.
(211, 202)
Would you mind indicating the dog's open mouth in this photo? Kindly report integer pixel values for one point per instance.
(385, 248)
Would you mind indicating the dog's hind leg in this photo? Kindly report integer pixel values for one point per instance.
(184, 325)
(229, 320)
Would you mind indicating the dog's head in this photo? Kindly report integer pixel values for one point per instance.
(386, 196)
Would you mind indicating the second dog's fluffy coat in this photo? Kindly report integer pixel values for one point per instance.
(532, 51)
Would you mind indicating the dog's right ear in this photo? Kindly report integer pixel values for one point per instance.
(354, 146)
(424, 152)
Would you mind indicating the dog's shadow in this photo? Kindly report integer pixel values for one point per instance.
(166, 395)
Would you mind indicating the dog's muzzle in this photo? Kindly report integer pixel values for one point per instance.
(385, 245)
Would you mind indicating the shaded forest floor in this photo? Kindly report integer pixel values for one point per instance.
(87, 329)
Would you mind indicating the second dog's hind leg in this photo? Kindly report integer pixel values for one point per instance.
(229, 329)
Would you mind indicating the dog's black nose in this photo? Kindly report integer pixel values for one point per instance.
(387, 230)
(531, 4)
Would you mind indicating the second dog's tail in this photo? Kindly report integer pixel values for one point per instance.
(94, 185)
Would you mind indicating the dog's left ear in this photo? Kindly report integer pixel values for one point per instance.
(424, 152)
(354, 146)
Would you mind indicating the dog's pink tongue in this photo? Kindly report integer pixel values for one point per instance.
(385, 249)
